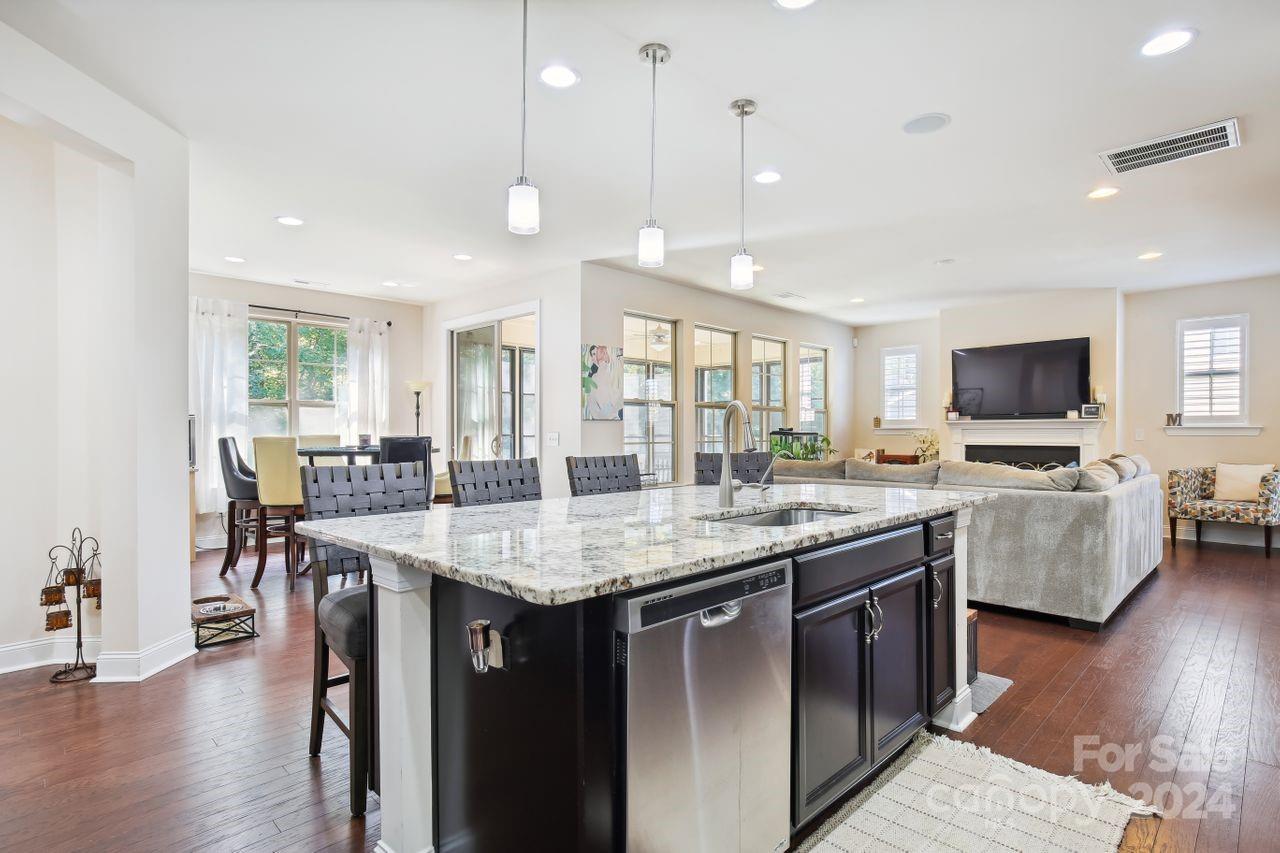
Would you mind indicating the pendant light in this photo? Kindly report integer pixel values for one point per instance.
(741, 266)
(651, 245)
(523, 216)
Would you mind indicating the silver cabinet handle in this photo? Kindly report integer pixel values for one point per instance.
(880, 613)
(713, 617)
(871, 623)
(950, 535)
(937, 600)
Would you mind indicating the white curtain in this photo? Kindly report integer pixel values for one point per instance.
(218, 389)
(368, 378)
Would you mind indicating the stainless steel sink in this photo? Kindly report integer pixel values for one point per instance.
(785, 517)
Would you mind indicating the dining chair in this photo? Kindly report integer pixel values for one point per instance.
(494, 481)
(343, 622)
(242, 500)
(318, 440)
(408, 448)
(747, 467)
(596, 475)
(280, 500)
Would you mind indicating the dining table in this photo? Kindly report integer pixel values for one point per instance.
(350, 452)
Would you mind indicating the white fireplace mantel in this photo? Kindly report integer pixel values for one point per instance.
(1053, 432)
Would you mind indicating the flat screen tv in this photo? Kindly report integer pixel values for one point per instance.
(1038, 380)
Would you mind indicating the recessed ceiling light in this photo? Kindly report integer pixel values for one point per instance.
(792, 4)
(391, 284)
(757, 268)
(462, 257)
(289, 220)
(1103, 192)
(927, 123)
(1168, 42)
(768, 176)
(559, 76)
(943, 262)
(1150, 256)
(232, 259)
(857, 300)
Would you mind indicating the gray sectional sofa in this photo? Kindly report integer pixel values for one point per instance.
(1073, 543)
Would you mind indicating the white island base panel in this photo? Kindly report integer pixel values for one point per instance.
(405, 702)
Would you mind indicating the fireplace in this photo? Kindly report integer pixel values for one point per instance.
(1026, 455)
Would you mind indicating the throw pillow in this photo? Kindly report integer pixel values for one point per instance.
(1007, 477)
(1097, 476)
(833, 470)
(1240, 482)
(1144, 466)
(1123, 466)
(925, 472)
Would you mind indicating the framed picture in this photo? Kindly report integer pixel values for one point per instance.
(1091, 411)
(601, 383)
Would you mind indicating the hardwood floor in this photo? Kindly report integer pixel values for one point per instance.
(212, 753)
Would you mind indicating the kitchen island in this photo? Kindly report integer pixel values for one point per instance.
(534, 748)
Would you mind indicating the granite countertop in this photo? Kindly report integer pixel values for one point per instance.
(560, 550)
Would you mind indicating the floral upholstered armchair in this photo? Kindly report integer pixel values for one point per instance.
(1191, 497)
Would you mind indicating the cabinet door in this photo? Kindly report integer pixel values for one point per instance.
(942, 634)
(898, 690)
(832, 751)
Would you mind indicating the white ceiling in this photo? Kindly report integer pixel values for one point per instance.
(392, 128)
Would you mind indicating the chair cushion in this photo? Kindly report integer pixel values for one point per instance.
(925, 472)
(1097, 476)
(1236, 512)
(344, 618)
(1239, 482)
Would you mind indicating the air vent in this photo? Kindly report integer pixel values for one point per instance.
(787, 294)
(1177, 146)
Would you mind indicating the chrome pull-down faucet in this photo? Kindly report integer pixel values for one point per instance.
(726, 460)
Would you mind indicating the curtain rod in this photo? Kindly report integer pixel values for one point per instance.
(295, 312)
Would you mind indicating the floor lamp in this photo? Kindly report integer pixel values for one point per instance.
(417, 386)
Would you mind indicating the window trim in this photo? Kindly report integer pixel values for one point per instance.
(766, 410)
(825, 411)
(673, 403)
(291, 403)
(1191, 324)
(885, 354)
(733, 384)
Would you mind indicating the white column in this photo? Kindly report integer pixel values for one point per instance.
(959, 714)
(404, 706)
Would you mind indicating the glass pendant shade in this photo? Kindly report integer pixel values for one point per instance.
(651, 246)
(523, 216)
(741, 274)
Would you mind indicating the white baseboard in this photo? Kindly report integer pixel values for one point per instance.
(45, 651)
(212, 543)
(1221, 532)
(141, 665)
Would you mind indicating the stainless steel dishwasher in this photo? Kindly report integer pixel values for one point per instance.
(706, 672)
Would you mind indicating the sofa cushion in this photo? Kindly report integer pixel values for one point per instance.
(831, 470)
(1141, 462)
(1124, 466)
(1097, 476)
(925, 472)
(1007, 477)
(1239, 482)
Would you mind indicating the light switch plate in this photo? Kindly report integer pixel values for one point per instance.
(1139, 435)
(553, 439)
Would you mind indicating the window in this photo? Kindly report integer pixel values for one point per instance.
(768, 387)
(649, 396)
(1212, 358)
(813, 389)
(899, 386)
(296, 373)
(519, 369)
(713, 357)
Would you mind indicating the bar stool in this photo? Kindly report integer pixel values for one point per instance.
(280, 498)
(596, 475)
(242, 500)
(342, 626)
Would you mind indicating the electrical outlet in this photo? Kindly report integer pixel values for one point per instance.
(1139, 434)
(553, 439)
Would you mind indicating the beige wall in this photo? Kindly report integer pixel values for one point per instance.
(406, 327)
(1150, 370)
(866, 383)
(1094, 313)
(608, 293)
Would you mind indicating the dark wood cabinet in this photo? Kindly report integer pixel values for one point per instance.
(832, 748)
(942, 633)
(898, 656)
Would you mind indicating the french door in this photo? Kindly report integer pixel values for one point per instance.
(477, 392)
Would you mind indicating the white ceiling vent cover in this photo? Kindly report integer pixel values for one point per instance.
(1176, 146)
